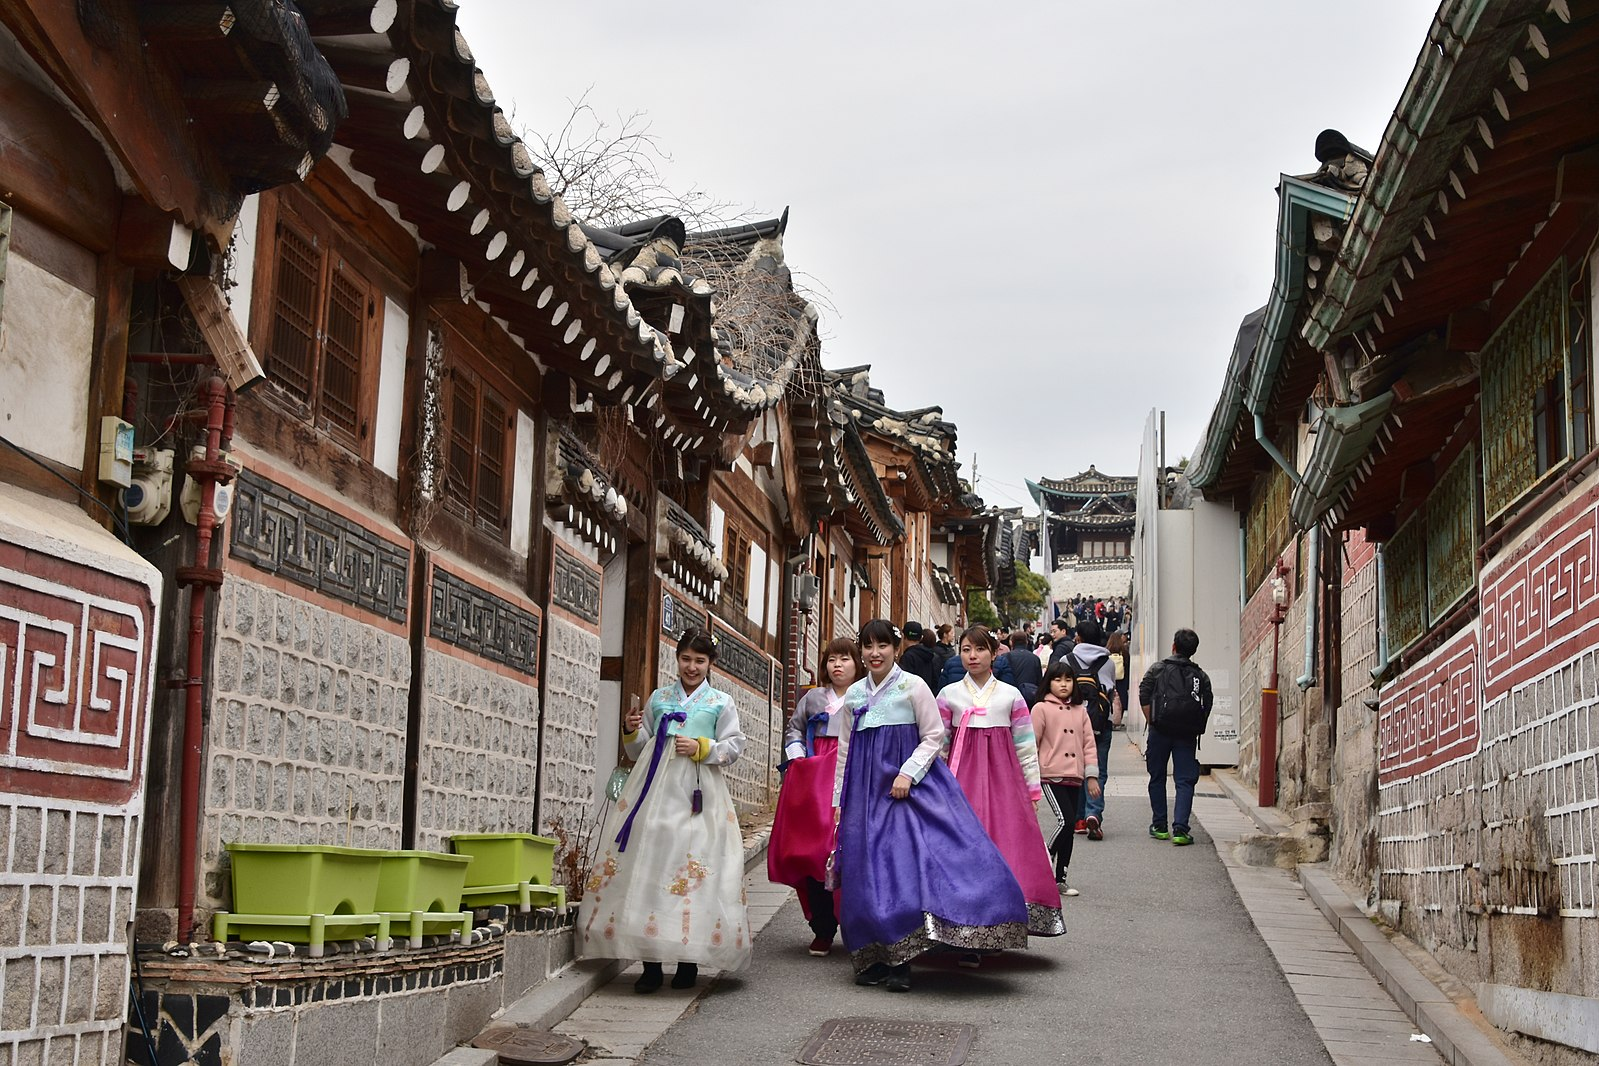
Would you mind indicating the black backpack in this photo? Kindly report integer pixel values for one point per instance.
(1179, 709)
(1086, 678)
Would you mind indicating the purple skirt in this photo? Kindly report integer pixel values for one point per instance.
(919, 871)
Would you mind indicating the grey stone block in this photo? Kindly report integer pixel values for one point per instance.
(266, 1039)
(412, 1029)
(337, 1033)
(470, 1008)
(527, 962)
(469, 1056)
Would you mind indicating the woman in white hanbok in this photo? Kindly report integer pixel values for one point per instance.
(668, 885)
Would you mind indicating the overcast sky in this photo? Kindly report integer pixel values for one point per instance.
(1046, 218)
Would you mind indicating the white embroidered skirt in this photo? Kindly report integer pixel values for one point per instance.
(676, 894)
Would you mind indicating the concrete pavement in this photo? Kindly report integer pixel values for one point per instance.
(1172, 954)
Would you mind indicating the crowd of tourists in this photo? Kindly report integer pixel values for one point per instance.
(1002, 739)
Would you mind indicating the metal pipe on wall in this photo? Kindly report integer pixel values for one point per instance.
(1312, 586)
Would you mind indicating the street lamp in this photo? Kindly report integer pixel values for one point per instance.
(1267, 794)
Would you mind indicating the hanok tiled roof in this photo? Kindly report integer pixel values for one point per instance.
(425, 129)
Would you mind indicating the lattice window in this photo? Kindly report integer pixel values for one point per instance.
(1405, 591)
(323, 322)
(1526, 419)
(736, 553)
(476, 438)
(1452, 537)
(1269, 529)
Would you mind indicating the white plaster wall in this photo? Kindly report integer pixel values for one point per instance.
(756, 607)
(46, 344)
(522, 484)
(242, 267)
(391, 389)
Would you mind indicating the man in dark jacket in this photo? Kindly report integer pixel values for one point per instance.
(1026, 672)
(919, 658)
(1060, 633)
(1176, 698)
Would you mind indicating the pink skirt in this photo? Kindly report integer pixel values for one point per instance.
(991, 776)
(802, 829)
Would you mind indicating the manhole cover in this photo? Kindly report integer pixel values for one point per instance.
(528, 1047)
(880, 1042)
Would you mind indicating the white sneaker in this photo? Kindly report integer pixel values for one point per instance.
(1067, 890)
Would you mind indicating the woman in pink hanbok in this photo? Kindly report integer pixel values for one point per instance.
(802, 829)
(994, 756)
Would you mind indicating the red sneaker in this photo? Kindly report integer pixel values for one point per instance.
(1094, 831)
(1082, 825)
(820, 947)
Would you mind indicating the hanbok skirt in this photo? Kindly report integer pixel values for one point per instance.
(802, 828)
(677, 893)
(920, 871)
(991, 776)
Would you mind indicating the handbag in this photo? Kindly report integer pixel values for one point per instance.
(617, 782)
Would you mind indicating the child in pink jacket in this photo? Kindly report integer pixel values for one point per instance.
(1067, 755)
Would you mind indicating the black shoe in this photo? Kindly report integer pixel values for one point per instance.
(875, 974)
(899, 978)
(649, 980)
(686, 974)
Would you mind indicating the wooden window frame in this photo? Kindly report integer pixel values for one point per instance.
(338, 264)
(736, 543)
(475, 503)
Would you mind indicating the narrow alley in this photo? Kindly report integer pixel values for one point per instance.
(1165, 948)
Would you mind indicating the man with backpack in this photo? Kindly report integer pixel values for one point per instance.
(1091, 661)
(1176, 699)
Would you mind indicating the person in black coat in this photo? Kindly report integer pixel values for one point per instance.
(1026, 672)
(919, 658)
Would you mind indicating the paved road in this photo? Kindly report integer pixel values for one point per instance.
(1160, 964)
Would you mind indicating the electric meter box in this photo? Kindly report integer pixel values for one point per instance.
(116, 451)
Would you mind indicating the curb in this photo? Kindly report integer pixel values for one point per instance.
(1267, 821)
(1457, 1039)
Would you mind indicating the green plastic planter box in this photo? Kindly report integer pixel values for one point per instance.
(511, 868)
(302, 893)
(420, 893)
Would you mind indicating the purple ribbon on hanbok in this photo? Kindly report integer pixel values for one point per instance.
(814, 723)
(649, 776)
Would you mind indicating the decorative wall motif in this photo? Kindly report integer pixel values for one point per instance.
(75, 648)
(1430, 716)
(483, 623)
(284, 533)
(742, 661)
(575, 587)
(1536, 605)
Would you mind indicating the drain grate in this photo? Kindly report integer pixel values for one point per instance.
(528, 1047)
(884, 1042)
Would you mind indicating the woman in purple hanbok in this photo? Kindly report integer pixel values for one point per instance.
(994, 755)
(914, 866)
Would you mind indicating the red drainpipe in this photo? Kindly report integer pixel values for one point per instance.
(200, 579)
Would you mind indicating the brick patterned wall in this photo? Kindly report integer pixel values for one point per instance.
(306, 740)
(66, 905)
(571, 730)
(480, 748)
(78, 619)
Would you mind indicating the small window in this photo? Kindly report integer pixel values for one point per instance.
(736, 552)
(1581, 391)
(477, 433)
(322, 325)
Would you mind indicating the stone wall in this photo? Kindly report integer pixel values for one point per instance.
(479, 752)
(306, 739)
(571, 728)
(1354, 793)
